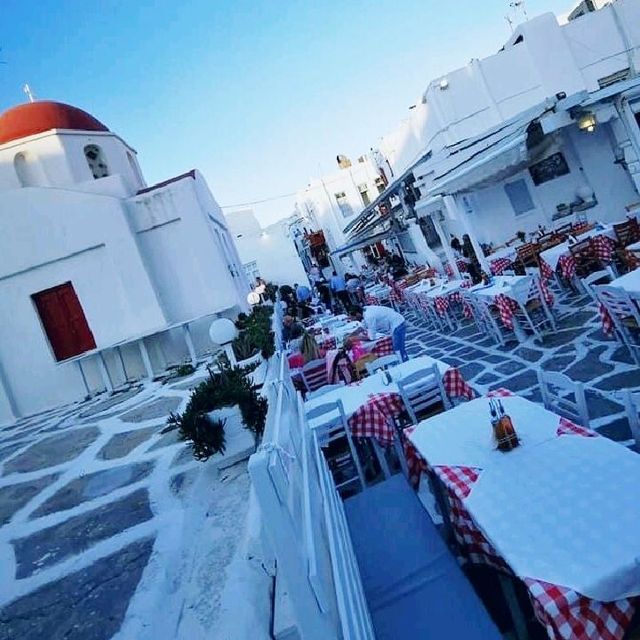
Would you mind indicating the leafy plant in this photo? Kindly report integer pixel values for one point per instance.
(226, 387)
(244, 347)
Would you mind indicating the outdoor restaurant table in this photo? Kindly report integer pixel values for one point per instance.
(629, 282)
(560, 255)
(503, 258)
(502, 288)
(370, 403)
(560, 511)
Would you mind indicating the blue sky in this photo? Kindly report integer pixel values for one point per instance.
(260, 96)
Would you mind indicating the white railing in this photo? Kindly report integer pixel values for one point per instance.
(304, 521)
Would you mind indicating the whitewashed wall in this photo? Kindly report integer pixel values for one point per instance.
(272, 248)
(51, 237)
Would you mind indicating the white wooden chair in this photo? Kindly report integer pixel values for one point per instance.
(534, 314)
(557, 391)
(487, 318)
(330, 426)
(314, 374)
(383, 362)
(605, 276)
(632, 406)
(422, 390)
(624, 315)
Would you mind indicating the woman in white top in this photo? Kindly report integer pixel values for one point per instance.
(383, 320)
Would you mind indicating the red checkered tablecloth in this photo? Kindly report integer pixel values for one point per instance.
(545, 270)
(383, 347)
(441, 304)
(499, 265)
(566, 615)
(374, 417)
(372, 300)
(603, 247)
(607, 321)
(507, 308)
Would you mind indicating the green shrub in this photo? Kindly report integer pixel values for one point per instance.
(228, 387)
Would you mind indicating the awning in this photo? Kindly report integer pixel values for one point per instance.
(369, 213)
(486, 159)
(362, 242)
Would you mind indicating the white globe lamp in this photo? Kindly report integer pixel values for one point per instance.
(222, 331)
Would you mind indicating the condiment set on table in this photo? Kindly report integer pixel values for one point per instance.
(504, 432)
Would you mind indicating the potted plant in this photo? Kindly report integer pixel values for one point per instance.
(229, 386)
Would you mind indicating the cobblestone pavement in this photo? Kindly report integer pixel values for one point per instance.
(578, 348)
(93, 510)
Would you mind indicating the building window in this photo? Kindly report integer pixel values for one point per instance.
(96, 161)
(25, 170)
(251, 270)
(362, 188)
(380, 185)
(63, 321)
(343, 204)
(549, 168)
(518, 194)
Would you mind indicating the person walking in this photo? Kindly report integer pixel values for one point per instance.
(339, 289)
(383, 320)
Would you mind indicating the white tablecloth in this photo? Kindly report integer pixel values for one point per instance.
(424, 286)
(630, 282)
(565, 512)
(510, 253)
(516, 287)
(463, 436)
(445, 289)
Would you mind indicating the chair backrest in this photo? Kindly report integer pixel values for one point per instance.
(562, 395)
(564, 229)
(322, 390)
(314, 374)
(333, 420)
(549, 240)
(627, 232)
(632, 406)
(582, 250)
(422, 389)
(597, 277)
(383, 362)
(617, 302)
(527, 251)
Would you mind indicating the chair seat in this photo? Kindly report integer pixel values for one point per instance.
(532, 305)
(629, 321)
(413, 585)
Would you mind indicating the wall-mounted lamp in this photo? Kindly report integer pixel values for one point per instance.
(587, 121)
(444, 84)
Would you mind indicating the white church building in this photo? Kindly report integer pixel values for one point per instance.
(102, 278)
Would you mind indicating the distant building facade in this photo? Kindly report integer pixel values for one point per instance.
(102, 278)
(268, 252)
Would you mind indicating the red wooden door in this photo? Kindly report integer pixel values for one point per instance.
(64, 321)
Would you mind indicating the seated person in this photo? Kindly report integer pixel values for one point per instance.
(383, 320)
(303, 293)
(291, 329)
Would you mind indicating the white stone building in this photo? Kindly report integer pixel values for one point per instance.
(330, 203)
(102, 279)
(504, 144)
(268, 252)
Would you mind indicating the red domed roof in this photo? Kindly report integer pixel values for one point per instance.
(36, 117)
